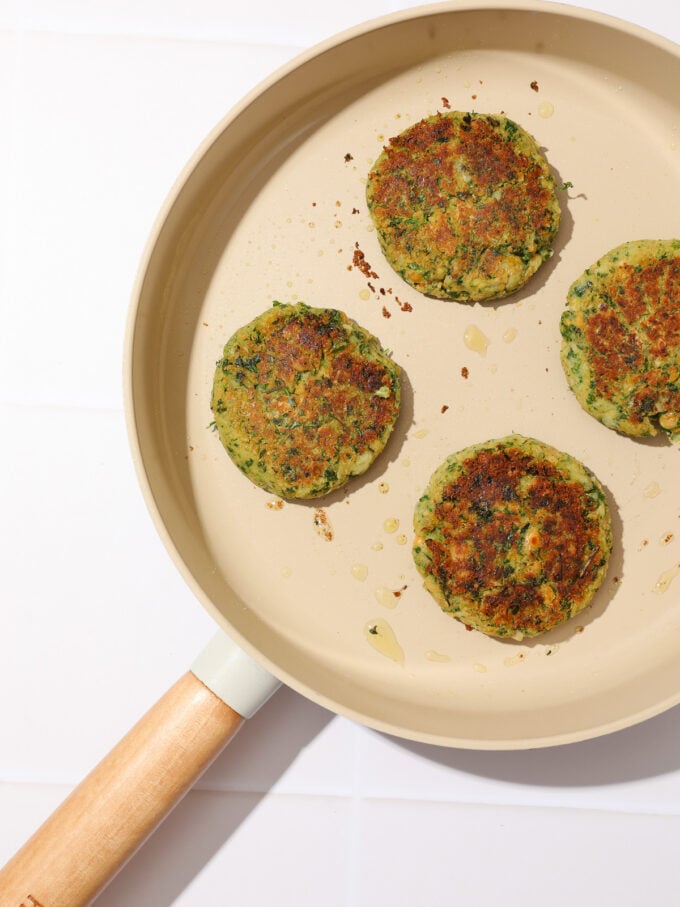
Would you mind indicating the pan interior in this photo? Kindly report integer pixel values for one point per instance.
(273, 208)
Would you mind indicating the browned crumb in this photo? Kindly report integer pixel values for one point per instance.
(348, 158)
(533, 85)
(465, 371)
(386, 312)
(323, 527)
(445, 102)
(359, 261)
(444, 407)
(275, 505)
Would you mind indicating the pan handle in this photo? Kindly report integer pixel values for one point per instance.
(99, 826)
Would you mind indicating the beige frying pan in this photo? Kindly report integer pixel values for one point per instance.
(272, 207)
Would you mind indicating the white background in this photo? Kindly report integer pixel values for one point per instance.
(101, 104)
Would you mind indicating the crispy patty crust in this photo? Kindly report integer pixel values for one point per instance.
(465, 205)
(512, 536)
(303, 399)
(621, 338)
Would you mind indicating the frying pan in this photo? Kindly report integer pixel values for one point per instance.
(272, 207)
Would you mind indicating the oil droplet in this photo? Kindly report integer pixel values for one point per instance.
(652, 490)
(546, 110)
(286, 572)
(383, 488)
(381, 636)
(359, 571)
(386, 597)
(405, 462)
(510, 335)
(514, 660)
(666, 579)
(377, 546)
(480, 668)
(401, 539)
(421, 433)
(475, 340)
(391, 524)
(364, 294)
(436, 656)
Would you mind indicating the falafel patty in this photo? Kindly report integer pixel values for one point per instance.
(303, 399)
(621, 338)
(512, 536)
(464, 205)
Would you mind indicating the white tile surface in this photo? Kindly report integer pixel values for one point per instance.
(102, 105)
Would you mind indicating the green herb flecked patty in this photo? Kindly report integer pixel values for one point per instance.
(512, 536)
(621, 338)
(303, 399)
(465, 205)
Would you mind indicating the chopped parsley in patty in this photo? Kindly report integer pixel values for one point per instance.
(303, 399)
(621, 338)
(512, 536)
(465, 206)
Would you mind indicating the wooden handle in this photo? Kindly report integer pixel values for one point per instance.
(81, 846)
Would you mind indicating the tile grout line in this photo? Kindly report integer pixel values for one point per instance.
(353, 849)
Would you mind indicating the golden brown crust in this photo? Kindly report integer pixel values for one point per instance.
(621, 338)
(512, 536)
(304, 398)
(464, 205)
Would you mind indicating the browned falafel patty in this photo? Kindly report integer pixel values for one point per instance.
(512, 536)
(465, 205)
(303, 399)
(621, 338)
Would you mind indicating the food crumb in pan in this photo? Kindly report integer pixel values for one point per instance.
(391, 525)
(322, 524)
(348, 158)
(277, 504)
(444, 408)
(465, 372)
(667, 538)
(533, 85)
(386, 312)
(383, 487)
(445, 102)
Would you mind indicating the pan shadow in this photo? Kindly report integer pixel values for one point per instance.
(647, 750)
(204, 821)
